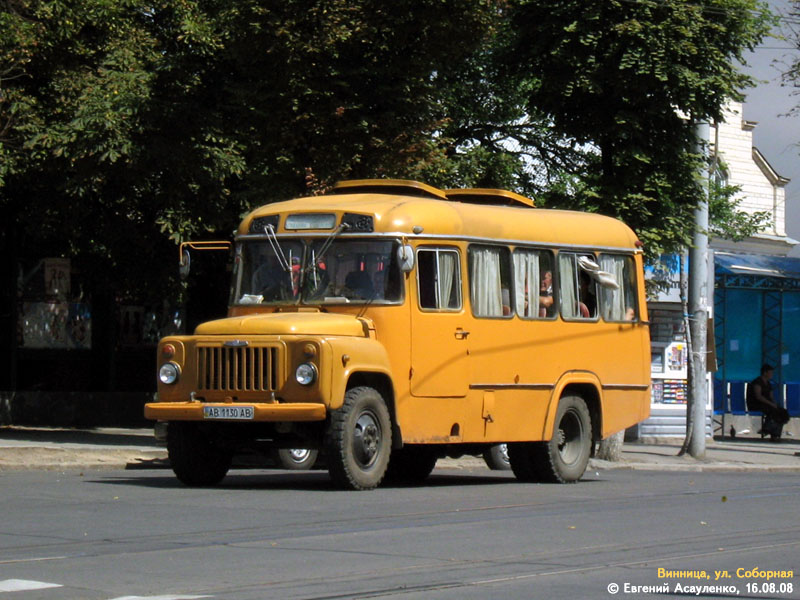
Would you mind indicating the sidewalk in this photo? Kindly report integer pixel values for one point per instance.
(25, 448)
(49, 448)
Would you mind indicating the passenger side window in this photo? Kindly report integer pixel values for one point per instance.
(578, 287)
(490, 281)
(533, 284)
(618, 304)
(439, 279)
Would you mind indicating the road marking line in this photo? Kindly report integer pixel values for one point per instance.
(22, 560)
(178, 597)
(24, 585)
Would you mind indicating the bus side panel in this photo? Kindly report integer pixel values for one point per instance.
(622, 409)
(625, 375)
(435, 420)
(514, 416)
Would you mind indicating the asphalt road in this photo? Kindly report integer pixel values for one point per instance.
(465, 534)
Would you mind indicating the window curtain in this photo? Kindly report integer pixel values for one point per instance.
(487, 298)
(526, 283)
(569, 297)
(445, 280)
(613, 301)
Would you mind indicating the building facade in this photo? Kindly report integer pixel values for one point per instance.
(755, 303)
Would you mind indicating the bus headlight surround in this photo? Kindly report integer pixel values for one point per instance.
(306, 373)
(169, 373)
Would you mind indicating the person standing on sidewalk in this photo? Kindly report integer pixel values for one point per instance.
(760, 398)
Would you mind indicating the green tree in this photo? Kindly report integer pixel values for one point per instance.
(629, 79)
(128, 125)
(791, 76)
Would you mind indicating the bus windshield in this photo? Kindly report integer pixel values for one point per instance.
(295, 271)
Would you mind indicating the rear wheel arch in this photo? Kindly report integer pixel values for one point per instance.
(585, 385)
(591, 397)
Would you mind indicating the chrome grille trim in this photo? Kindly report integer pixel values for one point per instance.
(237, 369)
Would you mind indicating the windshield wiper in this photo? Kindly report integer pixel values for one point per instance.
(329, 240)
(272, 238)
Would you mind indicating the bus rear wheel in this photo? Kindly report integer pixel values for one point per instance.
(411, 464)
(359, 440)
(195, 458)
(564, 457)
(496, 457)
(295, 459)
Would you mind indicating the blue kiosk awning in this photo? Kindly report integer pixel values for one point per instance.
(756, 271)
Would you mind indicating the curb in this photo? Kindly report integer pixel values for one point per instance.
(693, 467)
(61, 459)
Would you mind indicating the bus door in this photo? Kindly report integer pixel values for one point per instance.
(439, 326)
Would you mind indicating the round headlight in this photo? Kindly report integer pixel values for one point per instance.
(306, 374)
(169, 372)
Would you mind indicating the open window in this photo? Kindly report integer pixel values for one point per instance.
(577, 286)
(439, 279)
(619, 304)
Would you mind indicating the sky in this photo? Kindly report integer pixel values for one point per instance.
(777, 136)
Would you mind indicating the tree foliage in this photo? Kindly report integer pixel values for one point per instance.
(791, 77)
(128, 125)
(630, 78)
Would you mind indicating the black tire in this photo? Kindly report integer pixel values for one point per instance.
(563, 459)
(411, 464)
(296, 459)
(522, 459)
(359, 440)
(195, 458)
(496, 457)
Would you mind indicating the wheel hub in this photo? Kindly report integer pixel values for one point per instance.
(367, 439)
(569, 437)
(299, 454)
(561, 438)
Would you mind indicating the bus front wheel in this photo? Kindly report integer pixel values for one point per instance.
(359, 440)
(564, 457)
(194, 457)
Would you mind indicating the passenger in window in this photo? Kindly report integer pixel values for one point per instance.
(546, 295)
(587, 300)
(630, 314)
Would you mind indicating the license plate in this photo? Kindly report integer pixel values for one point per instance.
(240, 413)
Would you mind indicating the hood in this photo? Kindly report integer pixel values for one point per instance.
(288, 323)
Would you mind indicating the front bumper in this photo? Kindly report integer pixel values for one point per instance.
(262, 412)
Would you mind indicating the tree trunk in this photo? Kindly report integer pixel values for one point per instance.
(611, 447)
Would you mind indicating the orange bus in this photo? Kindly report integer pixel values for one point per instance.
(389, 323)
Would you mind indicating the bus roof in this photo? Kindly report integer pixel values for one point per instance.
(418, 210)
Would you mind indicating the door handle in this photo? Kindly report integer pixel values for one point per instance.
(461, 334)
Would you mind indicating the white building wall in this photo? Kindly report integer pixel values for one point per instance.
(761, 188)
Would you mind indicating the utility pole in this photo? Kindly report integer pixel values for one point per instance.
(698, 313)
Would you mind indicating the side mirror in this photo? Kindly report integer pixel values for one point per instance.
(405, 257)
(185, 264)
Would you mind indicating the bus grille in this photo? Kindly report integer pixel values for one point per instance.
(237, 369)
